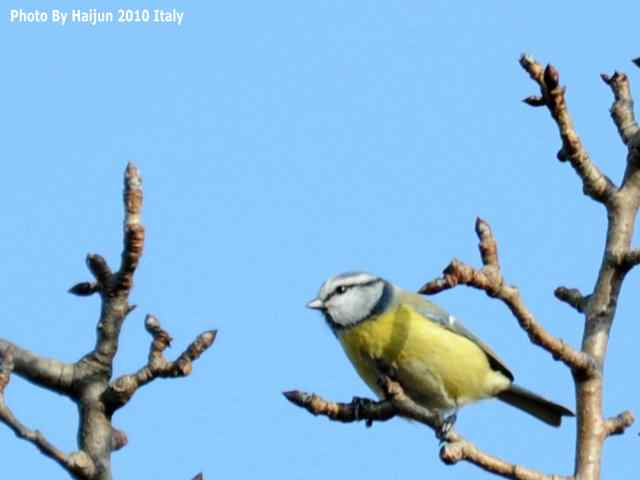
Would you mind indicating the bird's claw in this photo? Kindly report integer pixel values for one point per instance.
(445, 427)
(358, 404)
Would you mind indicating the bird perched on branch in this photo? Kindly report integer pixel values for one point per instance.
(440, 365)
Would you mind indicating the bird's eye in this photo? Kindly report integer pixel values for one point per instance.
(341, 289)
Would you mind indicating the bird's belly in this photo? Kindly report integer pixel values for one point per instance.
(437, 368)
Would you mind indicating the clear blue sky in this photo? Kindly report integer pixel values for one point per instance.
(280, 144)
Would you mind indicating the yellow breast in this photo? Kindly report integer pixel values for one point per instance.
(436, 367)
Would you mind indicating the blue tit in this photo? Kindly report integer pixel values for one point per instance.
(438, 362)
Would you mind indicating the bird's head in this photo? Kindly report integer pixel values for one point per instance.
(350, 298)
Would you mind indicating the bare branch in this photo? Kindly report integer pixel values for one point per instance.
(452, 453)
(115, 288)
(397, 403)
(600, 306)
(48, 373)
(489, 279)
(622, 108)
(595, 183)
(535, 101)
(357, 409)
(93, 372)
(133, 228)
(618, 424)
(572, 297)
(133, 243)
(84, 289)
(72, 465)
(86, 382)
(100, 269)
(123, 388)
(631, 258)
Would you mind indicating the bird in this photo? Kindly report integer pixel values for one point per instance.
(387, 331)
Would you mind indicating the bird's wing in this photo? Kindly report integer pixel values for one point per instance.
(436, 314)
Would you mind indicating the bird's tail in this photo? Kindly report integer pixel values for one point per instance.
(541, 408)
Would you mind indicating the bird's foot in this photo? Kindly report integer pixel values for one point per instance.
(446, 426)
(358, 404)
(385, 370)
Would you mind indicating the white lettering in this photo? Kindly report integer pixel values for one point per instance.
(91, 16)
(30, 16)
(58, 16)
(168, 16)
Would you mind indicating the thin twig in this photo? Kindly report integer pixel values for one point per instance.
(357, 409)
(78, 466)
(618, 424)
(572, 297)
(600, 306)
(452, 453)
(595, 183)
(121, 390)
(489, 279)
(397, 403)
(133, 228)
(622, 108)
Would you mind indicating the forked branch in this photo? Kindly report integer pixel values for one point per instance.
(122, 389)
(598, 307)
(595, 183)
(490, 280)
(87, 381)
(397, 403)
(622, 108)
(77, 464)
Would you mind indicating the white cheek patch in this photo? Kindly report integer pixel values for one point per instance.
(347, 311)
(354, 305)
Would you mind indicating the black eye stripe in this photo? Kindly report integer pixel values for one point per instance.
(340, 289)
(336, 292)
